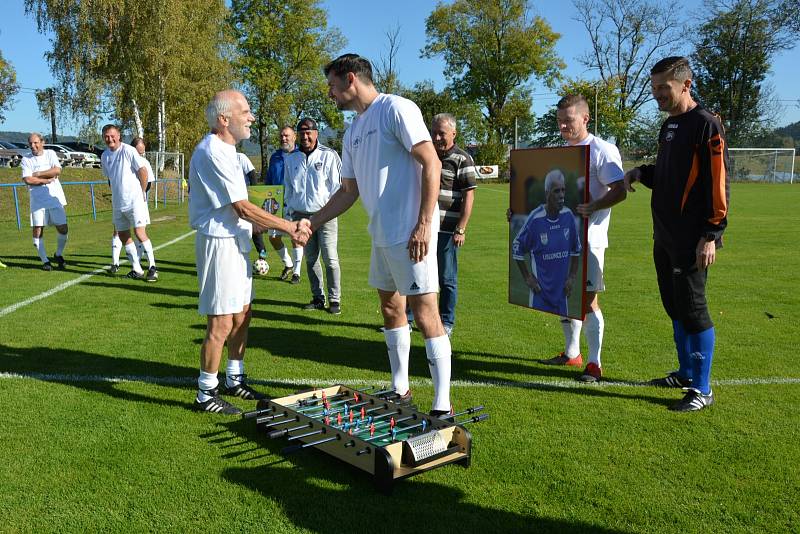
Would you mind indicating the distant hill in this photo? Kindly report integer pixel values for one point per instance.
(791, 130)
(22, 137)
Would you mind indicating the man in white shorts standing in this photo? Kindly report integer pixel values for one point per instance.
(606, 188)
(225, 220)
(390, 162)
(127, 173)
(40, 171)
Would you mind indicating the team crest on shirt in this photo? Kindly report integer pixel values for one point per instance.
(543, 238)
(670, 136)
(356, 142)
(318, 166)
(566, 233)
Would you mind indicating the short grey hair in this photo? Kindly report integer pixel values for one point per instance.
(221, 104)
(447, 118)
(35, 134)
(551, 178)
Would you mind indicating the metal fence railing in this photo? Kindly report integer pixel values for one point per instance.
(162, 192)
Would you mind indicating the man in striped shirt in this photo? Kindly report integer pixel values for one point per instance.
(456, 195)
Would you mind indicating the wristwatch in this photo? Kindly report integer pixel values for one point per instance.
(459, 231)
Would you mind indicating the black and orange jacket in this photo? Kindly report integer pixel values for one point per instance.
(689, 181)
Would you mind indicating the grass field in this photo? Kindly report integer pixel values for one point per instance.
(97, 378)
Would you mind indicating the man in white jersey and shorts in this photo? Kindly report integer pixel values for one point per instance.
(116, 244)
(606, 188)
(225, 220)
(126, 171)
(388, 160)
(40, 171)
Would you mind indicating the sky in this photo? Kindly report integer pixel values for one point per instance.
(364, 24)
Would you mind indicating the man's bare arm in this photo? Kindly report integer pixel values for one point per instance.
(42, 177)
(425, 154)
(342, 199)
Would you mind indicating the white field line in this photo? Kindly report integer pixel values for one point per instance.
(536, 384)
(14, 307)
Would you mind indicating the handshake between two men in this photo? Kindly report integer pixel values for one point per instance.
(298, 231)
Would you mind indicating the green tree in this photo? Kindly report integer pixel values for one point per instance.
(492, 50)
(627, 38)
(281, 48)
(8, 86)
(471, 126)
(155, 62)
(733, 54)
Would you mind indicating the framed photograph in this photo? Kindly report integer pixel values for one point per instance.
(547, 260)
(269, 197)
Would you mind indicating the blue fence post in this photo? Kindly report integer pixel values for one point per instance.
(94, 210)
(16, 207)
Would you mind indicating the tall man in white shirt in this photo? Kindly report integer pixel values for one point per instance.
(606, 188)
(40, 171)
(312, 176)
(126, 171)
(388, 160)
(225, 220)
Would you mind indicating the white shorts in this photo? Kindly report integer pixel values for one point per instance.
(390, 269)
(136, 216)
(594, 270)
(49, 216)
(224, 275)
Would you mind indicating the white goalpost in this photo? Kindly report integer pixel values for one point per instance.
(771, 165)
(168, 168)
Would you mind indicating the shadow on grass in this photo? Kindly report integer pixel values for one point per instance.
(120, 282)
(319, 493)
(64, 366)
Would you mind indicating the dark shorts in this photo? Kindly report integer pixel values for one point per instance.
(683, 287)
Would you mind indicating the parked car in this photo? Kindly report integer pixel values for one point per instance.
(80, 146)
(23, 146)
(11, 155)
(65, 155)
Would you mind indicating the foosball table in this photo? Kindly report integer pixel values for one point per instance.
(370, 430)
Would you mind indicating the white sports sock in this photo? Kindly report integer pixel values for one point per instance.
(38, 243)
(284, 255)
(206, 381)
(148, 249)
(572, 336)
(439, 351)
(62, 242)
(594, 335)
(133, 256)
(116, 248)
(235, 367)
(298, 259)
(398, 343)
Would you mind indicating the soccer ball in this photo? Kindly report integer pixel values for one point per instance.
(261, 267)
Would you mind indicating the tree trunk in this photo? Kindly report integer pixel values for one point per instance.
(137, 119)
(264, 161)
(53, 135)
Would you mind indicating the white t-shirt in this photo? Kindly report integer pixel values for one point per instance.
(215, 183)
(151, 177)
(48, 195)
(376, 151)
(120, 167)
(246, 165)
(605, 168)
(311, 180)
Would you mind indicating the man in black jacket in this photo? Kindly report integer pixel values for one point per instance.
(689, 206)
